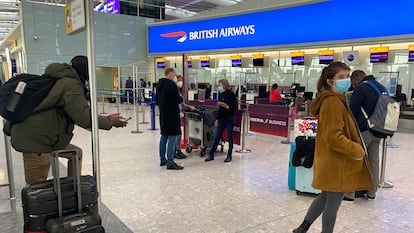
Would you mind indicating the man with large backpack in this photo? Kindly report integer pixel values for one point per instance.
(51, 126)
(364, 98)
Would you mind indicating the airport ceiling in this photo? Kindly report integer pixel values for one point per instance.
(10, 15)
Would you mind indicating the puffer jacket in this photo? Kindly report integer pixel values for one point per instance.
(340, 161)
(52, 128)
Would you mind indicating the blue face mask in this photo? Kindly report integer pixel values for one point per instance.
(220, 89)
(342, 85)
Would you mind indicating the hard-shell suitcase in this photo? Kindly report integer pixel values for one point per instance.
(304, 177)
(40, 201)
(292, 169)
(84, 221)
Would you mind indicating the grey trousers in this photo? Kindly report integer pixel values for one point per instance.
(327, 203)
(372, 143)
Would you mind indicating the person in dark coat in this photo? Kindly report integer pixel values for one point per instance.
(168, 100)
(129, 85)
(227, 103)
(366, 97)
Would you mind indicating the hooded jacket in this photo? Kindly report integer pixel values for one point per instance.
(168, 100)
(340, 162)
(52, 128)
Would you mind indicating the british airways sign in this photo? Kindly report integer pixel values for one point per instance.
(319, 22)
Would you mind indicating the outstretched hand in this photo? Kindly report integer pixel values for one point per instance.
(117, 120)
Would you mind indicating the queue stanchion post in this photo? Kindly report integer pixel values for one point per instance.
(289, 127)
(103, 102)
(153, 108)
(118, 101)
(136, 114)
(139, 98)
(244, 130)
(10, 172)
(382, 182)
(127, 96)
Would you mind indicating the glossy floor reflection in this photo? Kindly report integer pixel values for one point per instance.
(249, 194)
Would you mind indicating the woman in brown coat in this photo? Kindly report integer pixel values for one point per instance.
(340, 163)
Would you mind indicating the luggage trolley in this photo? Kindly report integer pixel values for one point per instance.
(201, 130)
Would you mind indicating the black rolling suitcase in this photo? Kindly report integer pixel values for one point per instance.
(81, 222)
(40, 200)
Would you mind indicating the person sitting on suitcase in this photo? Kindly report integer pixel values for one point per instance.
(52, 127)
(227, 103)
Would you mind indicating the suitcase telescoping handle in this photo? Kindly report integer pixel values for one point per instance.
(76, 177)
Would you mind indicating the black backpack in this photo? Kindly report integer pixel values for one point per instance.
(20, 95)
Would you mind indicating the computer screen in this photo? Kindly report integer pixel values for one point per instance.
(379, 57)
(326, 59)
(411, 56)
(161, 64)
(236, 63)
(298, 61)
(258, 62)
(205, 63)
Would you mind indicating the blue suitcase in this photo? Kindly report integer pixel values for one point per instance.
(292, 169)
(304, 177)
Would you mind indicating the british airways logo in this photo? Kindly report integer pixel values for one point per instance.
(181, 34)
(244, 30)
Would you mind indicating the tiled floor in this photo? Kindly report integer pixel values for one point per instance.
(247, 195)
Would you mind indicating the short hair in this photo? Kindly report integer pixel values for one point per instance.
(225, 83)
(168, 71)
(274, 86)
(358, 74)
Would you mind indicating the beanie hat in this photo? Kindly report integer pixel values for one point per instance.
(80, 64)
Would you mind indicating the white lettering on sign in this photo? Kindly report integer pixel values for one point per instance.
(236, 129)
(268, 121)
(222, 32)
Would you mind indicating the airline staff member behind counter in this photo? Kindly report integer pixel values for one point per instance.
(274, 96)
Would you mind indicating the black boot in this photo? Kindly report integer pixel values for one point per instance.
(303, 228)
(209, 158)
(177, 155)
(182, 154)
(228, 159)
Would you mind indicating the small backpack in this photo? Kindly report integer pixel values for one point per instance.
(383, 122)
(20, 95)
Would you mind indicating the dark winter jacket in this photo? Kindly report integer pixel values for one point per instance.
(168, 100)
(229, 98)
(53, 129)
(364, 96)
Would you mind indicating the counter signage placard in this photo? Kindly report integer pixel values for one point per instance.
(259, 29)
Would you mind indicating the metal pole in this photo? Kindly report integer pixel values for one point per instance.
(244, 130)
(127, 94)
(143, 115)
(382, 182)
(103, 103)
(136, 109)
(94, 99)
(10, 172)
(118, 95)
(287, 141)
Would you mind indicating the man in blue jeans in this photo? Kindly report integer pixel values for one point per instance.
(168, 100)
(227, 103)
